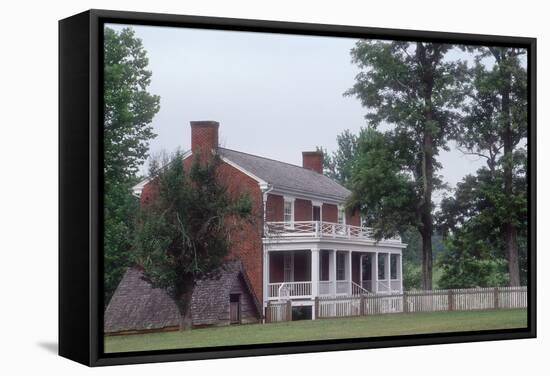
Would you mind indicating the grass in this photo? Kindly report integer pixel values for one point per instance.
(366, 326)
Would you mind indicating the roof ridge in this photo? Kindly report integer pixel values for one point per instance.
(271, 159)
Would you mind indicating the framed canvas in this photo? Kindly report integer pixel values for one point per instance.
(234, 187)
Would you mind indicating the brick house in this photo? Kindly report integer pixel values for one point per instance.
(304, 244)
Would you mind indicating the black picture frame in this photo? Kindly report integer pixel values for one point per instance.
(80, 186)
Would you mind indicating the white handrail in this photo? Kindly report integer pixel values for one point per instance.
(357, 290)
(320, 229)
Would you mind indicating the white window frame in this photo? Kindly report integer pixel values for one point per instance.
(342, 211)
(288, 200)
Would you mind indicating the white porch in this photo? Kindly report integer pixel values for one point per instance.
(306, 274)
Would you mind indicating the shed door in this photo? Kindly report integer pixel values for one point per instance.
(235, 308)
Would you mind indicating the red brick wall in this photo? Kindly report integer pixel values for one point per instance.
(302, 210)
(149, 192)
(353, 219)
(247, 242)
(330, 213)
(274, 208)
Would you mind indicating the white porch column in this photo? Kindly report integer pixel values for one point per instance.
(361, 269)
(349, 274)
(333, 272)
(314, 277)
(375, 273)
(266, 276)
(387, 266)
(315, 272)
(401, 271)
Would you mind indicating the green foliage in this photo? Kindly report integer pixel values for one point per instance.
(466, 266)
(129, 110)
(119, 209)
(184, 234)
(339, 165)
(473, 220)
(382, 191)
(486, 220)
(417, 90)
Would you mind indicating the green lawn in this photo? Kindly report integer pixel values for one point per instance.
(366, 326)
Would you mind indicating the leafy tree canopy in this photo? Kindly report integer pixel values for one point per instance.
(129, 111)
(183, 234)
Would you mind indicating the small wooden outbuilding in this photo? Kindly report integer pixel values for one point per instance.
(138, 307)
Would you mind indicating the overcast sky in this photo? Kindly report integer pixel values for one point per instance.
(274, 95)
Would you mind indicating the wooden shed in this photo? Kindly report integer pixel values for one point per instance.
(138, 307)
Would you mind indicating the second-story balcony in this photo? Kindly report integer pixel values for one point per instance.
(320, 229)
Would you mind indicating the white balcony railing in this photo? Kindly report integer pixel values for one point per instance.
(284, 290)
(320, 229)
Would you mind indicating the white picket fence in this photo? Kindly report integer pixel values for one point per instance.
(423, 301)
(279, 311)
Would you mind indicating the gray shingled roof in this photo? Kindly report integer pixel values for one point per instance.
(287, 176)
(136, 305)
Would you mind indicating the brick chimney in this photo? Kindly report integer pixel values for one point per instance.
(313, 160)
(204, 136)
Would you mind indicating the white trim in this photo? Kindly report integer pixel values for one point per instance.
(326, 243)
(341, 209)
(291, 201)
(261, 182)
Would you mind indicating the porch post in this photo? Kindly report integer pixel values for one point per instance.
(401, 271)
(375, 273)
(361, 269)
(349, 273)
(333, 271)
(315, 272)
(266, 276)
(387, 266)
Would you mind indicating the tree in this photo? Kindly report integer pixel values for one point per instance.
(473, 220)
(183, 234)
(416, 90)
(338, 166)
(494, 126)
(129, 110)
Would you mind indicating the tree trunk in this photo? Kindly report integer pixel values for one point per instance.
(426, 219)
(183, 302)
(426, 261)
(510, 230)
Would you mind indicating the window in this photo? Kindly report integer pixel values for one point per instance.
(288, 214)
(381, 266)
(340, 266)
(394, 265)
(341, 216)
(316, 215)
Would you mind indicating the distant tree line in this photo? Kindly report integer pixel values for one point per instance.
(422, 98)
